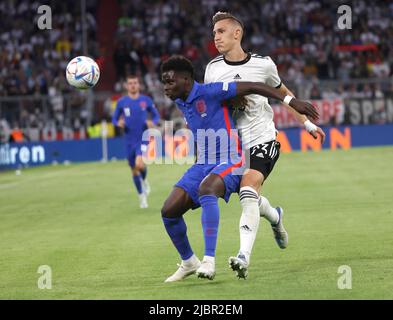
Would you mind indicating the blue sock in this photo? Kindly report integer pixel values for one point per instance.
(144, 173)
(210, 221)
(177, 231)
(138, 183)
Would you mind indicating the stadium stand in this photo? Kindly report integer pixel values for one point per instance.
(313, 56)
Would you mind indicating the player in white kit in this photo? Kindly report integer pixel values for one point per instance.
(254, 119)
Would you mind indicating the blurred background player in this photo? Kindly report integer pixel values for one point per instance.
(254, 119)
(212, 175)
(131, 114)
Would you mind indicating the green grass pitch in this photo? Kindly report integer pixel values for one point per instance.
(83, 220)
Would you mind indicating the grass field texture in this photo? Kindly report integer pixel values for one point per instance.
(83, 220)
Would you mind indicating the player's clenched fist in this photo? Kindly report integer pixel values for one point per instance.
(304, 107)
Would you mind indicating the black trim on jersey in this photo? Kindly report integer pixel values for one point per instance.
(279, 86)
(216, 59)
(238, 63)
(254, 55)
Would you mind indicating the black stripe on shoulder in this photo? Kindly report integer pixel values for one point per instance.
(259, 57)
(218, 58)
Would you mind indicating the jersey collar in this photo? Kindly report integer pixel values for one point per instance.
(238, 63)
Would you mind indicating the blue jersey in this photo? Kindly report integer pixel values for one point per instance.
(210, 122)
(135, 113)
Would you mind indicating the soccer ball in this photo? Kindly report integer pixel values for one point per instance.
(82, 72)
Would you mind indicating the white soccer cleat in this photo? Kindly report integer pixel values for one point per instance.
(146, 187)
(207, 270)
(279, 232)
(185, 269)
(143, 201)
(239, 264)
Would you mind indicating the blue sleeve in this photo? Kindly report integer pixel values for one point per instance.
(151, 108)
(117, 113)
(221, 90)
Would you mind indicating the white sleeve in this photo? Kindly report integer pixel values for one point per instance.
(207, 74)
(272, 79)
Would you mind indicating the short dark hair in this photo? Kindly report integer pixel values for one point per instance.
(226, 15)
(178, 63)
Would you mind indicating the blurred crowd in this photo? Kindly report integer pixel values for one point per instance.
(32, 61)
(302, 37)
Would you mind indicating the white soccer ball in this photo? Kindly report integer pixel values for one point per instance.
(82, 72)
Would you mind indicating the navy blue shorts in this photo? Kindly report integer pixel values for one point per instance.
(132, 152)
(193, 177)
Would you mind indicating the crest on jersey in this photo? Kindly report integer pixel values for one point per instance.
(143, 104)
(201, 107)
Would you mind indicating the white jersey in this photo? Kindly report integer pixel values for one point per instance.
(255, 121)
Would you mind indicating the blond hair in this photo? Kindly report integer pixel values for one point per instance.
(226, 15)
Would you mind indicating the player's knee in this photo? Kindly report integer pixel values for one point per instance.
(205, 190)
(212, 186)
(253, 179)
(167, 211)
(139, 165)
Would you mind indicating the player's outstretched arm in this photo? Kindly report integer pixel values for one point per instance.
(303, 107)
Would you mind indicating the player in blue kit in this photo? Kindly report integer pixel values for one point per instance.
(219, 153)
(131, 114)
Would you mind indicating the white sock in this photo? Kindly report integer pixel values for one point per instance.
(191, 260)
(210, 259)
(249, 220)
(145, 186)
(267, 211)
(141, 196)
